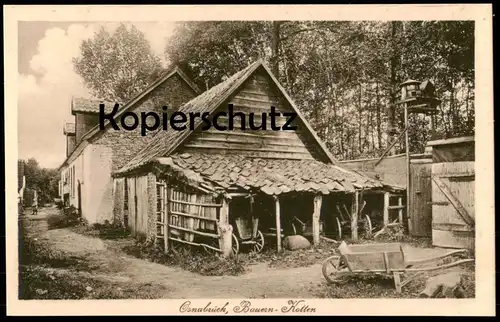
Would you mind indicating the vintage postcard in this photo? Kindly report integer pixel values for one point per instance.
(249, 160)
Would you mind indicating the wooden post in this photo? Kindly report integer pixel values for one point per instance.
(400, 211)
(166, 217)
(225, 230)
(255, 220)
(397, 282)
(224, 212)
(433, 126)
(315, 220)
(278, 223)
(226, 240)
(408, 174)
(386, 208)
(354, 216)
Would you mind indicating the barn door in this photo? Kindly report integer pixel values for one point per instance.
(420, 199)
(453, 204)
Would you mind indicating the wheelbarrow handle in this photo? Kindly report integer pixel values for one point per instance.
(433, 259)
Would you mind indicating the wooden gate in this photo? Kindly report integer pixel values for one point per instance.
(453, 204)
(420, 198)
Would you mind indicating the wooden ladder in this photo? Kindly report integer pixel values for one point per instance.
(161, 213)
(387, 206)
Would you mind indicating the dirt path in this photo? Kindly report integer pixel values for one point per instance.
(110, 264)
(113, 265)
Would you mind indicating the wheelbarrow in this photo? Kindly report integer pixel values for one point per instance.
(382, 259)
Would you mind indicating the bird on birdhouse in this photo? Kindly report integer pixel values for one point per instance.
(428, 89)
(419, 96)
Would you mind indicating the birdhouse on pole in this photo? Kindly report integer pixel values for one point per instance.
(419, 97)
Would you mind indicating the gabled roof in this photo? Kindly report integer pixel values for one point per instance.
(69, 129)
(165, 142)
(132, 103)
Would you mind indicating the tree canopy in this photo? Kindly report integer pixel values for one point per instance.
(43, 180)
(345, 75)
(116, 66)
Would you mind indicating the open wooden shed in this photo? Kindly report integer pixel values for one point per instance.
(228, 190)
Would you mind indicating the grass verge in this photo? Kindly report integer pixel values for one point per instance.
(190, 259)
(48, 273)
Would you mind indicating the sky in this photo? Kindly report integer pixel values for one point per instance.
(47, 81)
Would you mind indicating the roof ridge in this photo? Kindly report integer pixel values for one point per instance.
(185, 108)
(170, 71)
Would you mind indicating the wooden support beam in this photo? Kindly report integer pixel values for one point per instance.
(400, 211)
(433, 127)
(386, 207)
(408, 170)
(354, 216)
(224, 212)
(225, 230)
(278, 223)
(390, 147)
(318, 199)
(398, 207)
(165, 218)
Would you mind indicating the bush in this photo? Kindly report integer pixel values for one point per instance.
(69, 217)
(105, 231)
(59, 203)
(189, 258)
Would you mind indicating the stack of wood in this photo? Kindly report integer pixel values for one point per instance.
(392, 228)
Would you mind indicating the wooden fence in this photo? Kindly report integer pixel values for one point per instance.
(190, 217)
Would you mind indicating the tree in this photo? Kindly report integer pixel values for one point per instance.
(43, 180)
(116, 66)
(345, 75)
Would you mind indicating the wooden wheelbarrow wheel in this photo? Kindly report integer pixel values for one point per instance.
(339, 229)
(331, 268)
(235, 245)
(368, 226)
(259, 242)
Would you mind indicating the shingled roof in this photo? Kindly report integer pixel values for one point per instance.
(165, 142)
(270, 176)
(86, 105)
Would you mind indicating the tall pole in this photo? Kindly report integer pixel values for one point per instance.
(408, 174)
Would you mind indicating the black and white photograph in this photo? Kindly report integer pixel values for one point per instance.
(250, 166)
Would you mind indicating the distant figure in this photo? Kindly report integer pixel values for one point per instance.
(34, 206)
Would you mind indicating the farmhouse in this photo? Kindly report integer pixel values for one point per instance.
(226, 190)
(93, 154)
